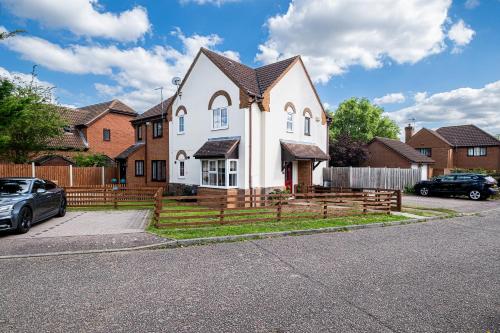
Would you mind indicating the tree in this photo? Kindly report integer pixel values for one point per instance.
(7, 34)
(345, 151)
(93, 160)
(28, 119)
(362, 120)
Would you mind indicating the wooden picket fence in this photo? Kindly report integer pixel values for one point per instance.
(197, 211)
(113, 198)
(61, 175)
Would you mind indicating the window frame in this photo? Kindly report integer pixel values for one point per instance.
(154, 170)
(307, 125)
(290, 119)
(181, 117)
(138, 133)
(219, 110)
(216, 173)
(474, 154)
(104, 131)
(136, 163)
(182, 167)
(427, 149)
(157, 133)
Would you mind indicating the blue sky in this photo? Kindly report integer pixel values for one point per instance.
(432, 60)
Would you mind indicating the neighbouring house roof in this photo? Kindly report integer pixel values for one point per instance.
(72, 139)
(155, 111)
(219, 148)
(46, 158)
(129, 151)
(404, 150)
(301, 151)
(467, 136)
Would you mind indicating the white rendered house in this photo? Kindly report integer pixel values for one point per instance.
(237, 128)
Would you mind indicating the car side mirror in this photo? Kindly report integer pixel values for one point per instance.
(41, 190)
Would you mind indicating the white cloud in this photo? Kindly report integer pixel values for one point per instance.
(471, 4)
(137, 71)
(390, 99)
(331, 36)
(209, 2)
(23, 78)
(420, 96)
(477, 106)
(83, 18)
(461, 35)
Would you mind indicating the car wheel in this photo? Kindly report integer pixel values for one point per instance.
(25, 220)
(62, 208)
(475, 195)
(424, 191)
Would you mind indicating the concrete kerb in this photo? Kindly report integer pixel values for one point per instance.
(225, 239)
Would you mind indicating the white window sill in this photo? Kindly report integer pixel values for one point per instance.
(181, 133)
(219, 187)
(220, 129)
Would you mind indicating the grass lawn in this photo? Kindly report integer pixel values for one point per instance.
(298, 224)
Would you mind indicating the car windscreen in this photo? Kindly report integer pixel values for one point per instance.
(14, 186)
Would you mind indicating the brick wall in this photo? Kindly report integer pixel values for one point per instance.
(380, 156)
(122, 134)
(442, 153)
(489, 162)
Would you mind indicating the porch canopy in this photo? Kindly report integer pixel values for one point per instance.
(219, 148)
(301, 152)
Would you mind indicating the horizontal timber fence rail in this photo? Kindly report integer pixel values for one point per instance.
(112, 198)
(199, 211)
(384, 178)
(396, 199)
(61, 175)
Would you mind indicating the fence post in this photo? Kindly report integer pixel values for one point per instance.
(115, 199)
(158, 206)
(102, 176)
(325, 210)
(365, 201)
(399, 203)
(33, 170)
(70, 175)
(278, 213)
(221, 216)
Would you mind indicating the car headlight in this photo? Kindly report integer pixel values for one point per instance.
(6, 209)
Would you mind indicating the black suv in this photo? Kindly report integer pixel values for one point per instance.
(475, 186)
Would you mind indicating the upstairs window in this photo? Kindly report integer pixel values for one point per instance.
(138, 132)
(106, 134)
(289, 122)
(425, 151)
(180, 129)
(476, 151)
(157, 129)
(219, 119)
(307, 125)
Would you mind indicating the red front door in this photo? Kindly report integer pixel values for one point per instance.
(288, 177)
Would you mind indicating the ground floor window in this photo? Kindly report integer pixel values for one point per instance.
(139, 168)
(219, 173)
(182, 169)
(158, 170)
(476, 151)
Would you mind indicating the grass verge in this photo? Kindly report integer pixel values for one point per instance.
(263, 227)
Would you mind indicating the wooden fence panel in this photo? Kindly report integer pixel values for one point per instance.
(359, 178)
(57, 174)
(15, 170)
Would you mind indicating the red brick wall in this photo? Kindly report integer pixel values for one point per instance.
(380, 156)
(442, 153)
(122, 134)
(489, 162)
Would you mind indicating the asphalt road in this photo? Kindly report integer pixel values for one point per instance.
(459, 204)
(440, 276)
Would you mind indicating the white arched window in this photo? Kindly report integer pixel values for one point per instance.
(289, 121)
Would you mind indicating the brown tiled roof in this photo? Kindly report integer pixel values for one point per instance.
(218, 148)
(301, 151)
(439, 136)
(467, 136)
(155, 110)
(68, 140)
(253, 81)
(127, 152)
(88, 113)
(404, 150)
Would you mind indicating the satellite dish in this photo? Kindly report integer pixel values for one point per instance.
(176, 81)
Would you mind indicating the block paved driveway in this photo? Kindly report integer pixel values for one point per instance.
(81, 230)
(440, 276)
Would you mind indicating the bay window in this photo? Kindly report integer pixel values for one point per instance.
(219, 173)
(219, 119)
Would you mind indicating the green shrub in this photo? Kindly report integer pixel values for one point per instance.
(93, 160)
(409, 189)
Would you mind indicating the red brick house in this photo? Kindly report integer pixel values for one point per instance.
(145, 162)
(463, 147)
(103, 128)
(388, 153)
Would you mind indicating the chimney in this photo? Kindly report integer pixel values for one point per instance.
(408, 132)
